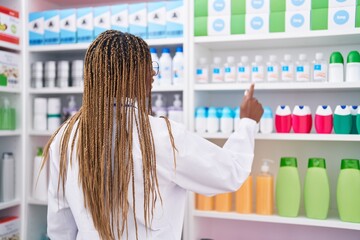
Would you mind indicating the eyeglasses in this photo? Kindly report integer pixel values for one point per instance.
(155, 66)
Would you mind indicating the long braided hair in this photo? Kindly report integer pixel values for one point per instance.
(116, 70)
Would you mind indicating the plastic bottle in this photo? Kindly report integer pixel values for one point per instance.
(176, 111)
(316, 189)
(288, 189)
(266, 121)
(159, 109)
(165, 68)
(37, 75)
(287, 69)
(40, 114)
(301, 119)
(302, 69)
(230, 70)
(237, 119)
(272, 69)
(319, 68)
(7, 186)
(324, 119)
(336, 67)
(204, 203)
(342, 119)
(50, 74)
(217, 71)
(63, 74)
(354, 111)
(54, 114)
(223, 202)
(265, 190)
(358, 121)
(202, 71)
(7, 115)
(154, 58)
(40, 179)
(243, 70)
(244, 197)
(353, 67)
(257, 70)
(200, 119)
(283, 119)
(213, 121)
(178, 67)
(77, 71)
(71, 109)
(227, 120)
(348, 191)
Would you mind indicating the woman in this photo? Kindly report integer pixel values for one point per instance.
(118, 173)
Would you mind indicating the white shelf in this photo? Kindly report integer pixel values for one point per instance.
(10, 46)
(6, 205)
(278, 86)
(40, 133)
(10, 90)
(330, 223)
(167, 89)
(281, 40)
(33, 201)
(70, 90)
(9, 133)
(293, 137)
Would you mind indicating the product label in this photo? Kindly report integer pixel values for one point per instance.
(36, 28)
(52, 27)
(243, 74)
(257, 74)
(9, 25)
(302, 73)
(257, 23)
(257, 4)
(227, 70)
(255, 69)
(241, 69)
(300, 69)
(270, 69)
(341, 17)
(297, 2)
(285, 68)
(320, 72)
(217, 75)
(216, 70)
(287, 73)
(101, 20)
(138, 20)
(68, 26)
(202, 75)
(273, 73)
(230, 74)
(297, 20)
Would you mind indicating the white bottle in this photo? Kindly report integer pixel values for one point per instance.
(257, 70)
(7, 185)
(54, 114)
(353, 67)
(37, 75)
(40, 114)
(243, 70)
(159, 109)
(200, 119)
(302, 69)
(319, 68)
(266, 121)
(77, 71)
(287, 69)
(272, 69)
(50, 74)
(165, 65)
(40, 178)
(154, 58)
(237, 119)
(217, 71)
(178, 67)
(213, 121)
(63, 74)
(336, 67)
(230, 70)
(227, 120)
(202, 71)
(176, 111)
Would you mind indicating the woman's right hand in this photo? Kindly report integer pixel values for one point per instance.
(250, 106)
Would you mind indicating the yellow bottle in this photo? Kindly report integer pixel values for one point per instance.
(223, 202)
(204, 203)
(265, 190)
(244, 199)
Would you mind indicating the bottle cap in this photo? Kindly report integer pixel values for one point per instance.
(354, 110)
(353, 56)
(244, 59)
(237, 112)
(203, 60)
(166, 50)
(350, 164)
(230, 59)
(177, 101)
(37, 66)
(258, 58)
(212, 112)
(336, 57)
(50, 66)
(317, 162)
(319, 56)
(201, 112)
(267, 113)
(288, 162)
(287, 57)
(272, 58)
(265, 167)
(227, 112)
(153, 50)
(302, 57)
(39, 152)
(217, 60)
(179, 49)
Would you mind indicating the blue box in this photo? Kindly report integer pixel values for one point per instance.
(68, 26)
(52, 27)
(138, 19)
(120, 17)
(101, 20)
(156, 20)
(85, 24)
(36, 28)
(175, 19)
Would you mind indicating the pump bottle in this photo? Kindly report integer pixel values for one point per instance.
(159, 109)
(265, 190)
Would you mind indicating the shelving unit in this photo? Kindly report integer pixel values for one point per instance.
(13, 203)
(55, 91)
(36, 202)
(10, 46)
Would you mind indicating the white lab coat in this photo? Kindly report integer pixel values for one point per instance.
(201, 167)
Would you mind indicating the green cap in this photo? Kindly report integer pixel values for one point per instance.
(350, 164)
(336, 57)
(39, 152)
(317, 162)
(353, 56)
(288, 162)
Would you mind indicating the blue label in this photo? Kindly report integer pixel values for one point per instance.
(216, 70)
(341, 1)
(257, 23)
(297, 2)
(285, 68)
(270, 69)
(341, 17)
(227, 69)
(219, 5)
(257, 4)
(300, 69)
(317, 67)
(199, 71)
(255, 69)
(241, 69)
(297, 20)
(218, 25)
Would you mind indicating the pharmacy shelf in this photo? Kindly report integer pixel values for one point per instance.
(10, 46)
(40, 133)
(10, 204)
(44, 91)
(292, 137)
(343, 86)
(33, 201)
(167, 88)
(10, 90)
(9, 133)
(281, 40)
(331, 222)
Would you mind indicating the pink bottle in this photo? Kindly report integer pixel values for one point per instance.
(283, 119)
(323, 119)
(302, 119)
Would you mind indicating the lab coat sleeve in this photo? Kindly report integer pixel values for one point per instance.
(208, 169)
(60, 221)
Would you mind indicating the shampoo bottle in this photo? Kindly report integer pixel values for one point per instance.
(342, 119)
(323, 119)
(165, 68)
(353, 67)
(354, 111)
(244, 197)
(265, 190)
(336, 67)
(40, 179)
(302, 119)
(200, 119)
(213, 121)
(283, 119)
(7, 170)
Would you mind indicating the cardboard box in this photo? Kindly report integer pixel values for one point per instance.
(277, 22)
(9, 25)
(120, 17)
(219, 25)
(318, 19)
(219, 8)
(10, 228)
(101, 20)
(319, 4)
(257, 6)
(138, 19)
(238, 24)
(204, 8)
(297, 21)
(52, 27)
(341, 18)
(85, 24)
(9, 69)
(277, 5)
(298, 5)
(357, 16)
(175, 19)
(156, 20)
(341, 3)
(36, 28)
(257, 23)
(68, 26)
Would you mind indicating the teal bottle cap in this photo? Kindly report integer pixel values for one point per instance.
(288, 162)
(317, 162)
(350, 164)
(336, 57)
(353, 56)
(39, 151)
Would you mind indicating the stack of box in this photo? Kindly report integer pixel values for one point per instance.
(9, 25)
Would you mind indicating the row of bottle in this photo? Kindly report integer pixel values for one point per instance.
(48, 114)
(7, 115)
(57, 74)
(170, 71)
(286, 71)
(288, 191)
(174, 112)
(7, 177)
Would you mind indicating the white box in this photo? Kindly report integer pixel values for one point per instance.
(36, 28)
(175, 19)
(257, 6)
(219, 25)
(9, 69)
(85, 24)
(101, 20)
(257, 23)
(52, 27)
(298, 5)
(138, 19)
(9, 25)
(10, 228)
(120, 17)
(156, 19)
(68, 26)
(341, 18)
(219, 8)
(341, 3)
(297, 21)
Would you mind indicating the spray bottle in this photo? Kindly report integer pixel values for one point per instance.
(265, 189)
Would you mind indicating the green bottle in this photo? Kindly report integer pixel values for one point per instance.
(316, 189)
(7, 116)
(288, 189)
(342, 119)
(348, 191)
